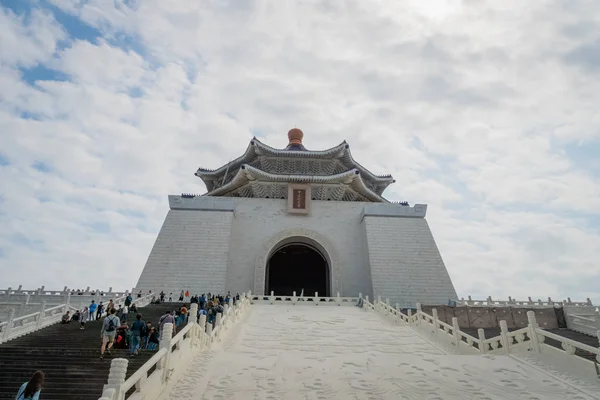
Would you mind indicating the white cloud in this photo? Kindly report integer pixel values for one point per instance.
(468, 104)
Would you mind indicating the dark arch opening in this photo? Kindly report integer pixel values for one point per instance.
(297, 267)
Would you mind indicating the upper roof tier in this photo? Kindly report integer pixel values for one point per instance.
(293, 161)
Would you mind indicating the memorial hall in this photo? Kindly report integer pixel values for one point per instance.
(297, 220)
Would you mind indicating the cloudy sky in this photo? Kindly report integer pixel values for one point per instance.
(485, 110)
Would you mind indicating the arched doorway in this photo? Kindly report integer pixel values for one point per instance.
(297, 267)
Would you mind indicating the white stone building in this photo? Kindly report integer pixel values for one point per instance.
(297, 220)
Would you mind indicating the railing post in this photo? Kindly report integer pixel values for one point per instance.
(367, 302)
(482, 344)
(272, 297)
(165, 343)
(435, 320)
(8, 293)
(116, 377)
(192, 318)
(455, 329)
(41, 315)
(316, 298)
(387, 301)
(504, 337)
(420, 312)
(9, 324)
(209, 330)
(202, 329)
(377, 306)
(532, 326)
(339, 300)
(294, 298)
(218, 320)
(410, 321)
(398, 312)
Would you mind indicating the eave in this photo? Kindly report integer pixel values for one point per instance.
(256, 148)
(247, 174)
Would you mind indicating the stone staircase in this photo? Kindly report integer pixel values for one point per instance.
(69, 357)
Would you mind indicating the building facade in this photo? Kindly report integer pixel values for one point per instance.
(297, 220)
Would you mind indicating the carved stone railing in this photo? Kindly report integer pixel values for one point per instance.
(525, 303)
(306, 300)
(583, 319)
(530, 338)
(20, 299)
(173, 357)
(16, 326)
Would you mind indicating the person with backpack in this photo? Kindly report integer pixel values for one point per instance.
(108, 332)
(138, 329)
(31, 389)
(128, 301)
(168, 318)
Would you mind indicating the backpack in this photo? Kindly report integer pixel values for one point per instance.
(111, 325)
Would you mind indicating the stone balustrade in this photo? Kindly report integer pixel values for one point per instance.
(530, 338)
(46, 314)
(527, 303)
(173, 357)
(306, 300)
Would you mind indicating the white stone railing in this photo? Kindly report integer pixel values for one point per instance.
(15, 327)
(524, 303)
(583, 319)
(173, 357)
(306, 300)
(22, 299)
(530, 338)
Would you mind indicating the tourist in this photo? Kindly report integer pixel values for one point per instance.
(31, 390)
(145, 336)
(124, 312)
(85, 315)
(139, 294)
(171, 297)
(133, 308)
(168, 318)
(162, 296)
(99, 312)
(109, 306)
(108, 332)
(153, 339)
(66, 318)
(182, 316)
(121, 341)
(128, 300)
(92, 309)
(76, 316)
(137, 331)
(181, 295)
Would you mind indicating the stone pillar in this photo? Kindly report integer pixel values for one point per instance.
(532, 326)
(272, 297)
(116, 378)
(420, 313)
(482, 344)
(8, 293)
(410, 321)
(192, 318)
(165, 343)
(455, 329)
(504, 337)
(366, 303)
(40, 319)
(202, 329)
(294, 298)
(435, 320)
(218, 320)
(398, 318)
(9, 324)
(339, 299)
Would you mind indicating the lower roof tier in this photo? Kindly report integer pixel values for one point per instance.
(253, 182)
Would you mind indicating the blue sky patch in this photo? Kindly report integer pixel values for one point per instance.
(4, 160)
(41, 166)
(42, 73)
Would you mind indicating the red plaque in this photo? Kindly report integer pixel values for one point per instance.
(299, 202)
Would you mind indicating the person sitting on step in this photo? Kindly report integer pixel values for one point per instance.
(66, 318)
